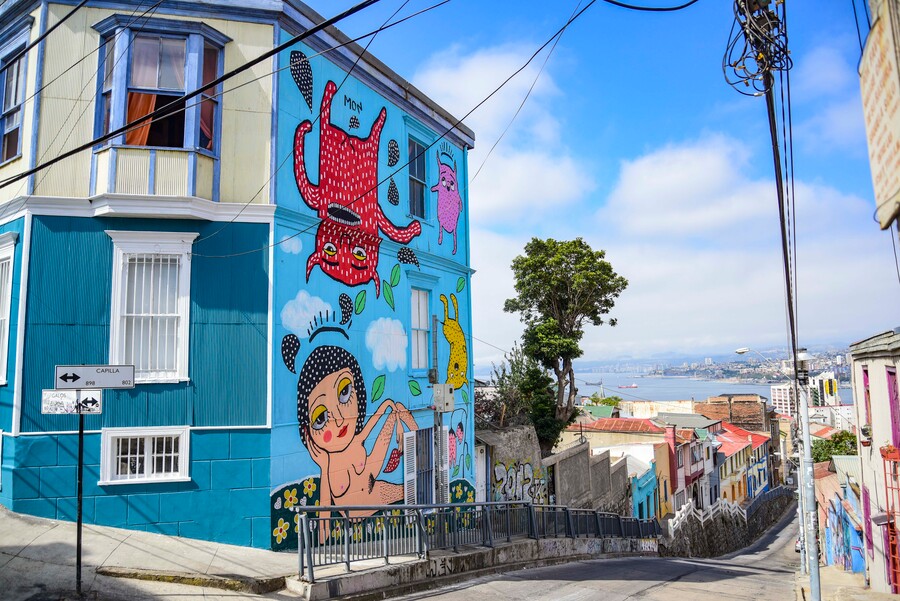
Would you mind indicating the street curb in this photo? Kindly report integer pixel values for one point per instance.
(301, 587)
(259, 586)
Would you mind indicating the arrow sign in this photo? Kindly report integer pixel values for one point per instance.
(94, 376)
(72, 402)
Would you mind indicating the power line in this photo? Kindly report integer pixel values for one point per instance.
(169, 108)
(652, 9)
(425, 149)
(11, 61)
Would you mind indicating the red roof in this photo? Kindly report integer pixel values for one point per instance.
(683, 435)
(621, 424)
(757, 439)
(729, 446)
(825, 432)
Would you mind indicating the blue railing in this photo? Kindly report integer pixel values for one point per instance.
(343, 535)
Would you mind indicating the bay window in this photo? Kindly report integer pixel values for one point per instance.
(144, 71)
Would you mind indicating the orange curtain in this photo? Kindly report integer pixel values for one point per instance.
(138, 106)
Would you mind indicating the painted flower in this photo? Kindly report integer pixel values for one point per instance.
(290, 498)
(357, 532)
(336, 533)
(281, 531)
(459, 491)
(309, 487)
(470, 497)
(297, 523)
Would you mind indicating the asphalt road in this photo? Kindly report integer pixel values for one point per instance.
(765, 570)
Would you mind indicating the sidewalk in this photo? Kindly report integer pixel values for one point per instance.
(838, 585)
(37, 562)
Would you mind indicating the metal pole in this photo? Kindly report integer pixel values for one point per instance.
(78, 491)
(809, 495)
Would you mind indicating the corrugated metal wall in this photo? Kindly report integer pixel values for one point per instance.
(6, 392)
(68, 323)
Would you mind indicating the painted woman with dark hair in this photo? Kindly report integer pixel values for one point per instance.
(331, 411)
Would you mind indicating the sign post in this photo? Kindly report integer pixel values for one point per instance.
(77, 378)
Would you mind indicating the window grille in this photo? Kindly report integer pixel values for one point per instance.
(152, 454)
(150, 317)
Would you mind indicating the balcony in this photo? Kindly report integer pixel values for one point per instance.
(154, 171)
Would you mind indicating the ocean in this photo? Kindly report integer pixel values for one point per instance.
(653, 388)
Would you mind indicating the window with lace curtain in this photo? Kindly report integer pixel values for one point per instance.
(149, 322)
(143, 72)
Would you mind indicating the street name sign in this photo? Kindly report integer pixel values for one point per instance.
(71, 377)
(88, 402)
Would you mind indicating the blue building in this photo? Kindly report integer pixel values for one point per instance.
(284, 260)
(642, 478)
(839, 498)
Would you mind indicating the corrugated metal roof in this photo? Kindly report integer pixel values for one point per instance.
(847, 465)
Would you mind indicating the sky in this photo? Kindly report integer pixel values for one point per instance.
(633, 140)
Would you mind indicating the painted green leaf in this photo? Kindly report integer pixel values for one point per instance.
(460, 284)
(455, 471)
(414, 388)
(468, 462)
(360, 303)
(464, 395)
(388, 294)
(377, 388)
(395, 275)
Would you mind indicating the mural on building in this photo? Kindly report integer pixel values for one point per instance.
(346, 200)
(449, 202)
(458, 363)
(519, 481)
(348, 391)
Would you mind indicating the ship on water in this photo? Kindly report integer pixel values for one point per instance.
(632, 385)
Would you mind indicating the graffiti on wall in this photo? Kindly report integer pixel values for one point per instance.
(449, 202)
(346, 200)
(519, 481)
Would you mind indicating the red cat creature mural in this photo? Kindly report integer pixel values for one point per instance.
(346, 199)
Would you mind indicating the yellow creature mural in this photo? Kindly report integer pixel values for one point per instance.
(458, 364)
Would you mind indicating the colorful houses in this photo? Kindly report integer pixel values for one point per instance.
(875, 362)
(284, 260)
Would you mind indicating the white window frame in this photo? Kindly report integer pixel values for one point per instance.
(108, 452)
(7, 253)
(426, 327)
(133, 242)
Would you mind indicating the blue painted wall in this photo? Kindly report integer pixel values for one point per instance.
(348, 255)
(643, 490)
(67, 323)
(6, 391)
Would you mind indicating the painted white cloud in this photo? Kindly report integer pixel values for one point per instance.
(299, 312)
(291, 245)
(386, 340)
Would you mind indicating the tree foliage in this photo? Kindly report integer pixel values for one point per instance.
(842, 443)
(561, 287)
(523, 394)
(612, 401)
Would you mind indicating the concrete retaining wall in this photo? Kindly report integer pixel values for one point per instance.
(444, 568)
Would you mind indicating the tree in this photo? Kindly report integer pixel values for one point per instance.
(611, 401)
(506, 404)
(842, 443)
(561, 287)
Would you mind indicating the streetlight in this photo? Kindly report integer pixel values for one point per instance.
(806, 506)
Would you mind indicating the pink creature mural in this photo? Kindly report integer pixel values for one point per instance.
(346, 199)
(449, 201)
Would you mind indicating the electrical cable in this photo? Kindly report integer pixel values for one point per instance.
(372, 35)
(167, 109)
(425, 149)
(894, 246)
(521, 104)
(652, 9)
(856, 22)
(11, 61)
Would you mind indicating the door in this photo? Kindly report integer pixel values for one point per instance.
(894, 401)
(480, 474)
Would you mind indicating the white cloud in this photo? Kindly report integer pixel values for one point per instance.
(531, 172)
(386, 340)
(823, 71)
(297, 314)
(698, 240)
(291, 244)
(837, 127)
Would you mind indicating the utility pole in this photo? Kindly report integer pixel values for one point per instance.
(809, 484)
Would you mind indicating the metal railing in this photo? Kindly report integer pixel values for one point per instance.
(343, 535)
